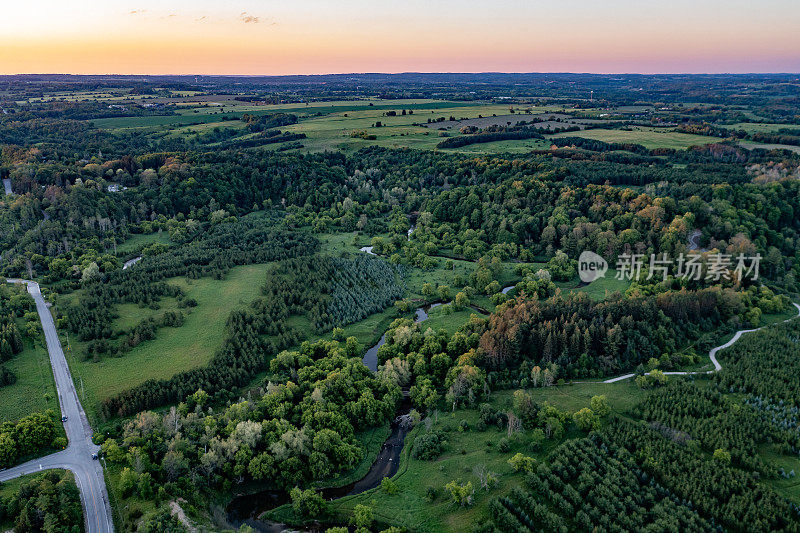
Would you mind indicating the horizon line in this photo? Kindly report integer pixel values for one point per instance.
(411, 72)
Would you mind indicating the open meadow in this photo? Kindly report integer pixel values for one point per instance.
(34, 389)
(174, 349)
(650, 138)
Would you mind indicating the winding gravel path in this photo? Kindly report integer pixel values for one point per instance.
(712, 354)
(77, 456)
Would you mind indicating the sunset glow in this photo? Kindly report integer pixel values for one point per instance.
(311, 36)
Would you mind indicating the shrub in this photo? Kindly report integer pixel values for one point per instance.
(429, 445)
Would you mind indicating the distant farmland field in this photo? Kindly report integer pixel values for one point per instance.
(648, 137)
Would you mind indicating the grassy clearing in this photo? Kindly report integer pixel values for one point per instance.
(132, 314)
(788, 488)
(8, 488)
(622, 396)
(753, 127)
(600, 288)
(174, 349)
(750, 145)
(648, 137)
(35, 388)
(439, 319)
(137, 242)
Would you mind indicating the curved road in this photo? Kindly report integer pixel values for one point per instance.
(77, 457)
(711, 354)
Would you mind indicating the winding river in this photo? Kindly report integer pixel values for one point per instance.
(371, 356)
(247, 508)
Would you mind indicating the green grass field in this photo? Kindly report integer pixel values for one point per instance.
(174, 349)
(788, 488)
(328, 125)
(333, 129)
(213, 114)
(35, 388)
(750, 145)
(136, 242)
(622, 396)
(600, 288)
(753, 127)
(648, 137)
(439, 319)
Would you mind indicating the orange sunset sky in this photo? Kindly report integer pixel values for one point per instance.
(312, 36)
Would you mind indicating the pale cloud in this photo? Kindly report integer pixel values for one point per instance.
(247, 18)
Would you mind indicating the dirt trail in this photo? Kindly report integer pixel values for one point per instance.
(712, 354)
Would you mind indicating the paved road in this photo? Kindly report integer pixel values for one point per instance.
(77, 457)
(7, 186)
(712, 354)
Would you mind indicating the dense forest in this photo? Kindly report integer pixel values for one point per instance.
(587, 338)
(329, 291)
(48, 502)
(286, 434)
(634, 477)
